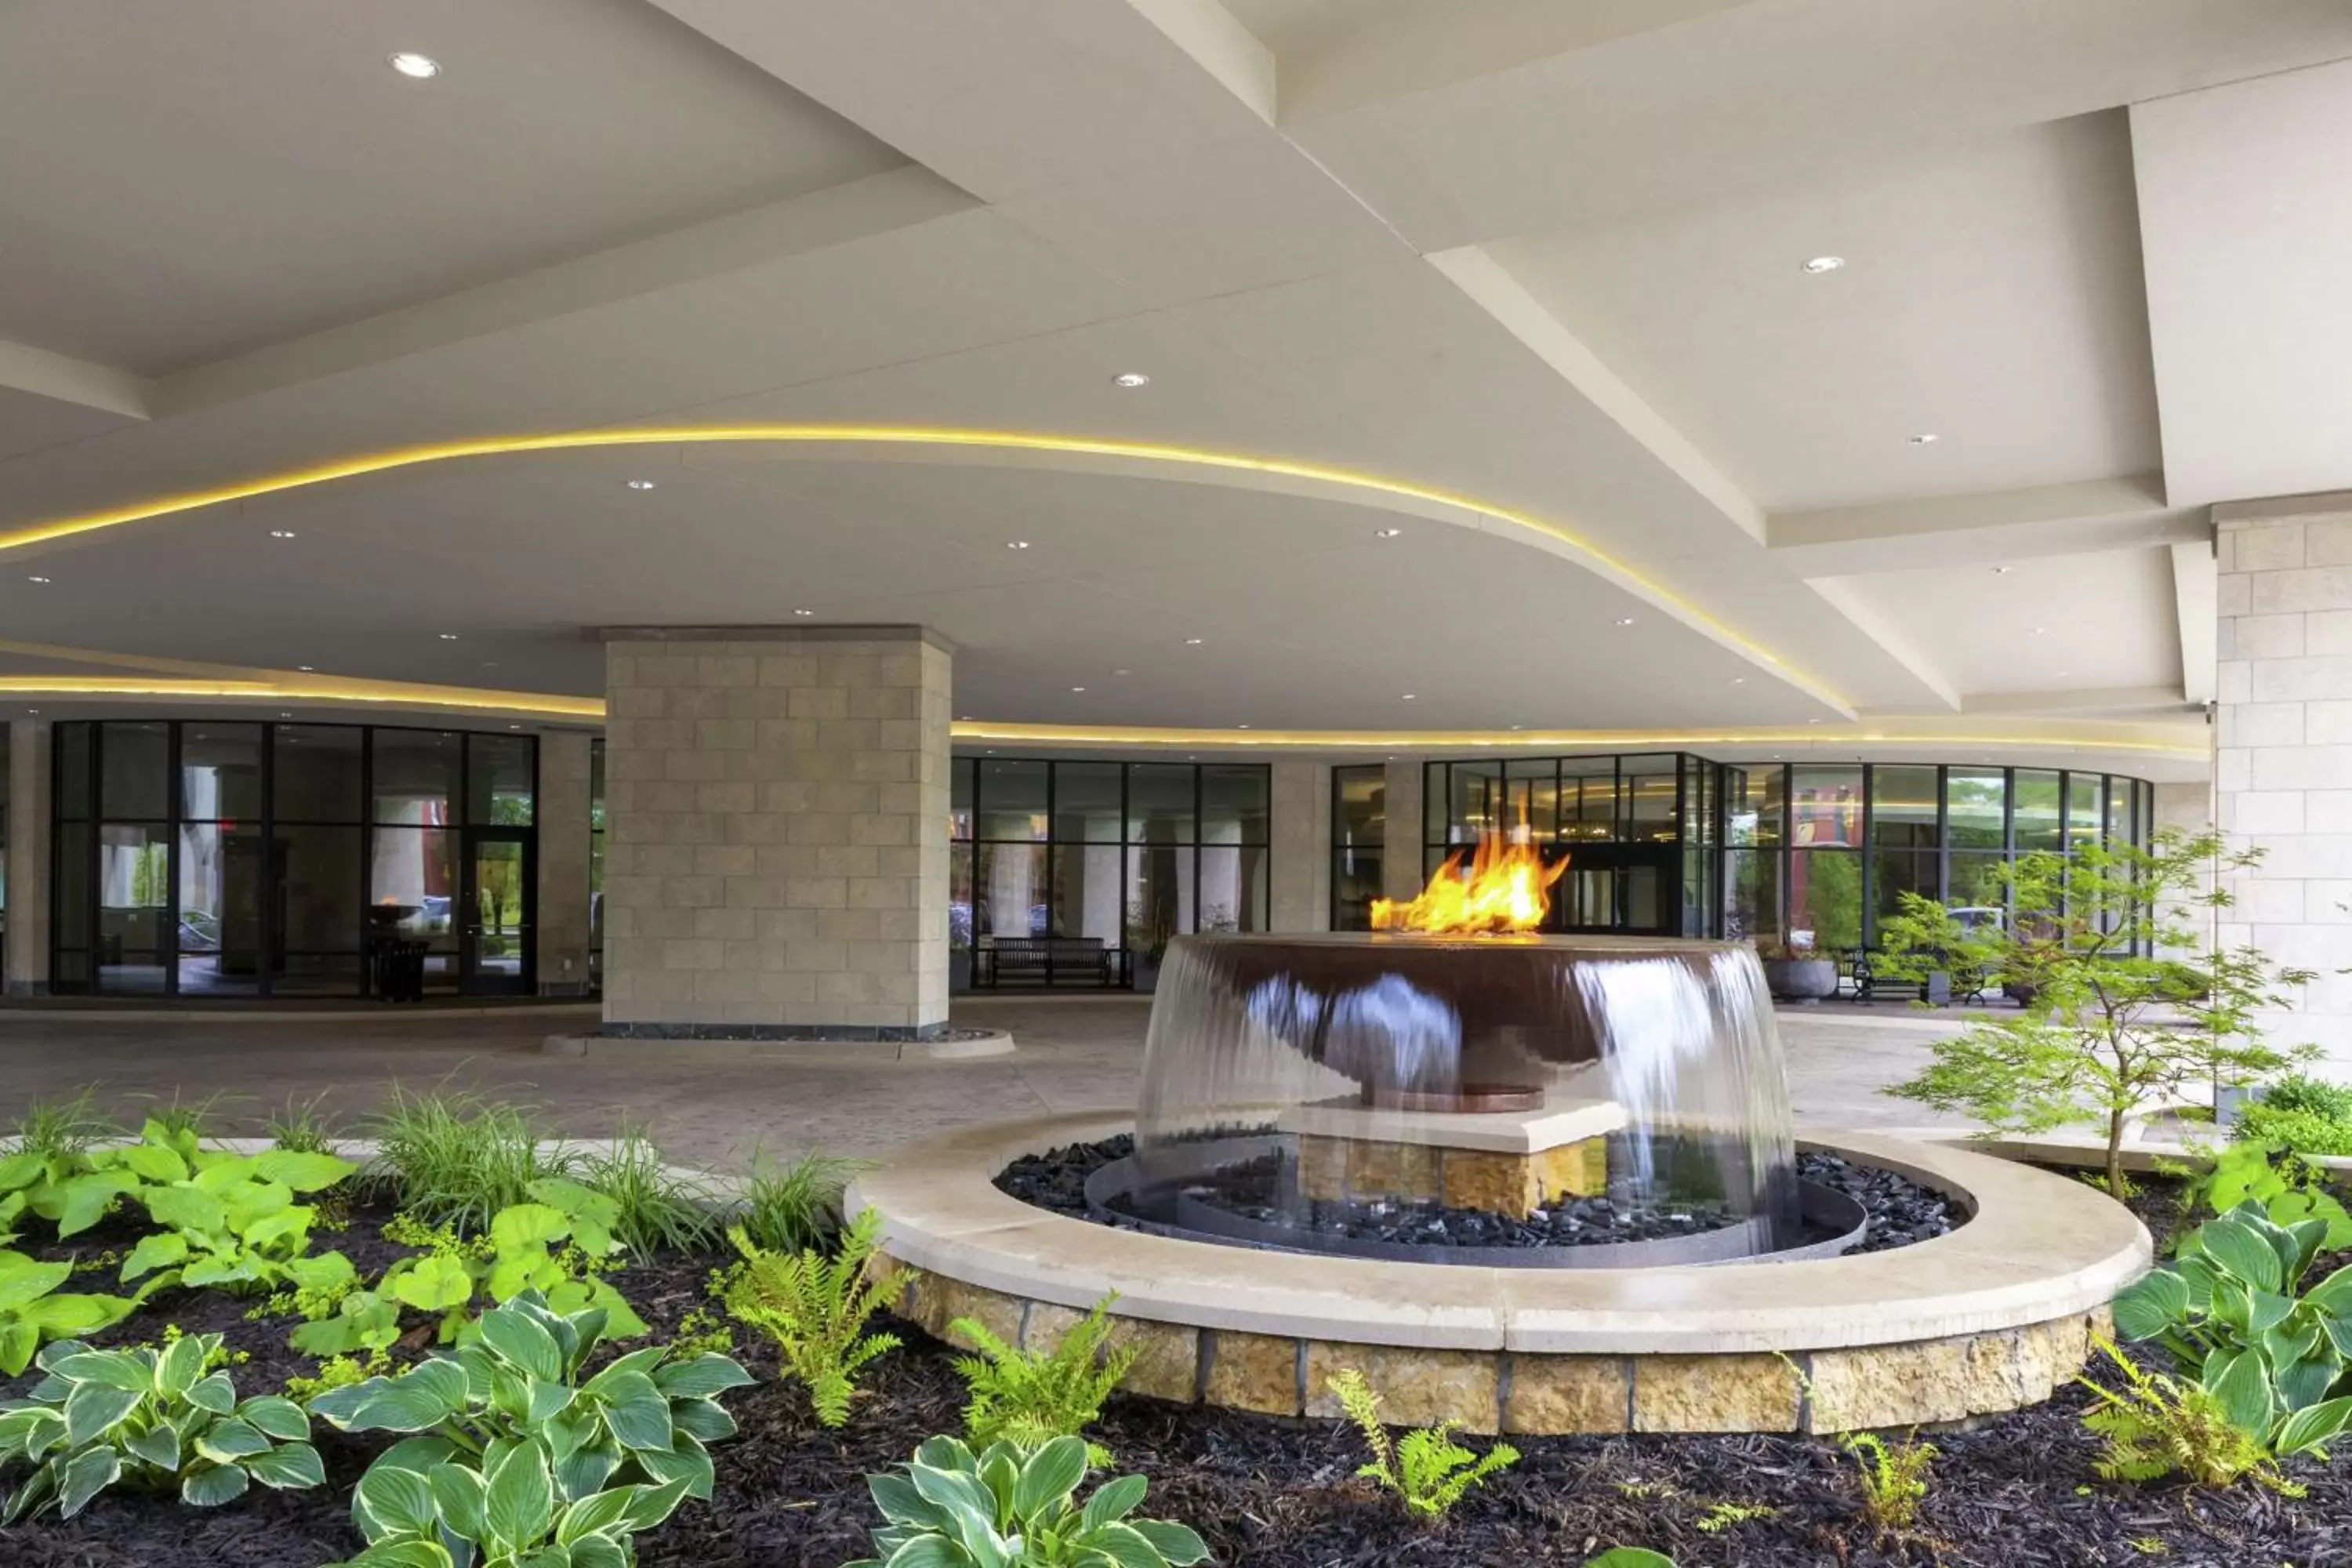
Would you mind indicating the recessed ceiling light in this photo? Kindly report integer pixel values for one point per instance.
(306, 668)
(1017, 544)
(2039, 630)
(804, 612)
(410, 64)
(1386, 532)
(1406, 698)
(1078, 689)
(1192, 642)
(1820, 264)
(281, 533)
(1130, 379)
(282, 713)
(1926, 437)
(1121, 672)
(514, 726)
(1517, 727)
(1624, 620)
(641, 484)
(1738, 681)
(1812, 721)
(1241, 726)
(2002, 570)
(448, 636)
(490, 664)
(36, 579)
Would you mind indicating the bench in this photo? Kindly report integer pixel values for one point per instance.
(1046, 961)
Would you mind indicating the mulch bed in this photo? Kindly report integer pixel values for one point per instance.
(2019, 1491)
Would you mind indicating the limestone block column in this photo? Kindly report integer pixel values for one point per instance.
(562, 813)
(1299, 834)
(1402, 832)
(776, 822)
(2282, 767)
(29, 825)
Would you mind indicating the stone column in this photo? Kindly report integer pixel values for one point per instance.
(776, 822)
(1400, 832)
(561, 813)
(1299, 834)
(2283, 770)
(30, 819)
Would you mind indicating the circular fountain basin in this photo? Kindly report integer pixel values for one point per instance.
(1988, 1318)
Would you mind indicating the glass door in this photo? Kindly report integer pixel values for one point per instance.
(495, 937)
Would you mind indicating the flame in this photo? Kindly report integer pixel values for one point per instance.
(1507, 889)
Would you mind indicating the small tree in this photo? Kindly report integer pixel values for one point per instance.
(2124, 1002)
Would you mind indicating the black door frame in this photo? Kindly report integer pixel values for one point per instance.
(472, 979)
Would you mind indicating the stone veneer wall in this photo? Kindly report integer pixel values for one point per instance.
(776, 821)
(1299, 856)
(1920, 1384)
(1400, 831)
(2283, 769)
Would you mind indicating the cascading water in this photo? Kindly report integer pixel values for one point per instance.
(1387, 1093)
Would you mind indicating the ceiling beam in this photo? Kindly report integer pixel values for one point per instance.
(1220, 45)
(2080, 700)
(1983, 528)
(24, 368)
(2197, 599)
(1849, 601)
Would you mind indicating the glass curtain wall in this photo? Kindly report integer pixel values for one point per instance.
(1128, 853)
(228, 859)
(596, 865)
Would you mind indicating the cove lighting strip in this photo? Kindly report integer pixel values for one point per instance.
(382, 694)
(909, 436)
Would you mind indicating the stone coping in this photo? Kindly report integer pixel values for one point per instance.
(1501, 1132)
(786, 1053)
(2086, 1151)
(2038, 1247)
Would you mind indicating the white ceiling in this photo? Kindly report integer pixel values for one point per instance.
(1544, 257)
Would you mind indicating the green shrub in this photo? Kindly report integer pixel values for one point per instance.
(227, 1220)
(2288, 1190)
(815, 1308)
(796, 1207)
(150, 1418)
(302, 1128)
(557, 1245)
(1006, 1508)
(505, 1450)
(2313, 1096)
(2156, 1424)
(1027, 1397)
(2305, 1131)
(456, 1159)
(32, 1313)
(1426, 1469)
(653, 1207)
(2227, 1311)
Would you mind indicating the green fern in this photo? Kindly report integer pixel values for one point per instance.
(2156, 1424)
(1030, 1397)
(1893, 1478)
(815, 1308)
(1425, 1467)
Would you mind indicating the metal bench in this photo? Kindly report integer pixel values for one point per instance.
(1046, 961)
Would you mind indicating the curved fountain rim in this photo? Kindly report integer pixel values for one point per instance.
(2037, 1246)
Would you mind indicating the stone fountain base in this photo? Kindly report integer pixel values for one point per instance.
(1992, 1317)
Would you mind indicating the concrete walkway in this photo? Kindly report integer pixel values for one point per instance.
(1076, 1053)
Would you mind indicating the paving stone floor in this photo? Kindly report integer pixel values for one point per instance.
(1076, 1053)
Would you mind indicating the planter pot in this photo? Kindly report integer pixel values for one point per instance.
(1802, 979)
(959, 969)
(1936, 990)
(2022, 995)
(2230, 1100)
(1145, 973)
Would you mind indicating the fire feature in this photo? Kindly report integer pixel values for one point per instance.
(1508, 888)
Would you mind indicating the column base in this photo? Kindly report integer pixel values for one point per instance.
(881, 1034)
(29, 988)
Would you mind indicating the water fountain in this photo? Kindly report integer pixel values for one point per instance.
(1535, 1183)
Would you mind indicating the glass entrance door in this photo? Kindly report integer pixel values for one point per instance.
(495, 937)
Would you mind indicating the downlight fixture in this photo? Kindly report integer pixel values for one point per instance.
(1817, 265)
(421, 68)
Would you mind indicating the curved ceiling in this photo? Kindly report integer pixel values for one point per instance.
(1548, 263)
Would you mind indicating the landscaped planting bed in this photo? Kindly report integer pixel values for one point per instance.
(787, 1489)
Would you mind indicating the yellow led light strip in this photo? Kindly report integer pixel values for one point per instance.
(913, 435)
(458, 698)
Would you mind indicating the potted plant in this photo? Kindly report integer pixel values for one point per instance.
(1146, 946)
(1798, 974)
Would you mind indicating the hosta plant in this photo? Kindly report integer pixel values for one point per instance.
(1013, 1508)
(227, 1220)
(508, 1505)
(641, 1418)
(150, 1418)
(1427, 1470)
(2228, 1311)
(33, 1312)
(815, 1308)
(556, 1244)
(2153, 1425)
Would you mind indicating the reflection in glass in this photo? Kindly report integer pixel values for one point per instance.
(1085, 892)
(1159, 806)
(1159, 897)
(1825, 898)
(2082, 814)
(134, 903)
(499, 780)
(318, 889)
(135, 780)
(219, 908)
(315, 770)
(1013, 799)
(500, 919)
(960, 780)
(1355, 883)
(1359, 805)
(1233, 805)
(1978, 882)
(416, 774)
(2035, 820)
(1824, 807)
(1894, 872)
(413, 877)
(1648, 785)
(959, 904)
(1588, 799)
(1232, 889)
(1903, 808)
(1010, 897)
(71, 744)
(220, 773)
(1754, 802)
(1475, 803)
(1531, 799)
(1977, 800)
(1085, 804)
(1751, 894)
